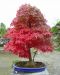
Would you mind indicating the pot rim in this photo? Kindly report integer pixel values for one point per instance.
(27, 67)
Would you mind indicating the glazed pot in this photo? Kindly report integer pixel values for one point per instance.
(29, 71)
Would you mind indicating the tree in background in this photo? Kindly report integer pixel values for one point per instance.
(2, 29)
(56, 35)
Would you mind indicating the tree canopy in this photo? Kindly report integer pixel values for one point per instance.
(29, 31)
(2, 29)
(56, 35)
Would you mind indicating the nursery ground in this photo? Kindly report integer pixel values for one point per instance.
(52, 60)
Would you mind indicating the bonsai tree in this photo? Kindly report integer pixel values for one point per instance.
(29, 30)
(56, 35)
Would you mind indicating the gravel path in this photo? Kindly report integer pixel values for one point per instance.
(52, 60)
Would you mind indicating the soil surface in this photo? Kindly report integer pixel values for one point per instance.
(28, 64)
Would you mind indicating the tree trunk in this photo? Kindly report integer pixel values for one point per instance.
(30, 58)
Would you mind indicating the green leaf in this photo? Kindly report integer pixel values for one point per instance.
(54, 29)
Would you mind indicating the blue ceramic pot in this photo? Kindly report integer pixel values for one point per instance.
(23, 69)
(29, 71)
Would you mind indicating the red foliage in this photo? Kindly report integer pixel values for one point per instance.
(28, 16)
(30, 30)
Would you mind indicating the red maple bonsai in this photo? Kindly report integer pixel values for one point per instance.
(29, 31)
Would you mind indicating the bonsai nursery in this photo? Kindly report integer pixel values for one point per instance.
(29, 30)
